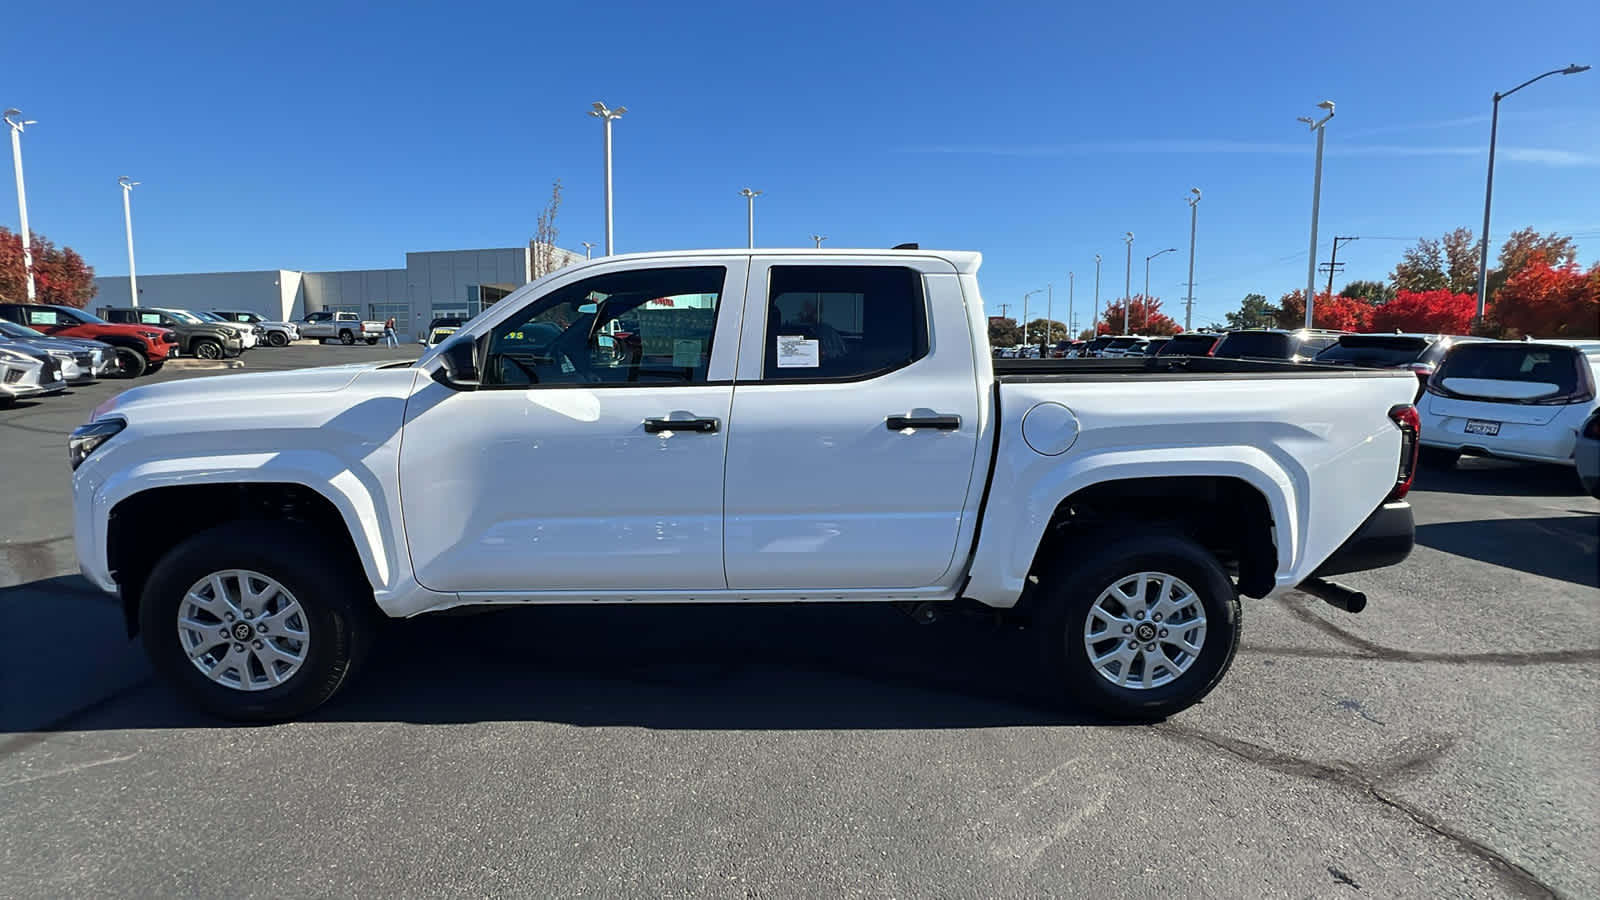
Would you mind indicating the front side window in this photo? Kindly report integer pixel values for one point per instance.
(47, 317)
(843, 322)
(651, 326)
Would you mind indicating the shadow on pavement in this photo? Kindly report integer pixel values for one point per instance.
(1562, 547)
(743, 668)
(1501, 478)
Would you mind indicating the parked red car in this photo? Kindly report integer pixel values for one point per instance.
(140, 348)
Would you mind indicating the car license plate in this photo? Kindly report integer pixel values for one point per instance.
(1479, 426)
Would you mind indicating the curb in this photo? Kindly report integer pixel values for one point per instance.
(203, 364)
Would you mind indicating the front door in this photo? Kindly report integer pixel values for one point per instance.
(855, 428)
(591, 459)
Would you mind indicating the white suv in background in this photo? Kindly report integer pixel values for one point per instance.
(1512, 399)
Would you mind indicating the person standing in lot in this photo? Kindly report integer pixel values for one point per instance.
(388, 333)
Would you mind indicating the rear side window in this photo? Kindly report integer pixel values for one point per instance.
(1512, 362)
(1368, 350)
(843, 323)
(1261, 344)
(1187, 345)
(46, 317)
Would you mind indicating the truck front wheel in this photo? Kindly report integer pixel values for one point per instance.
(277, 339)
(130, 363)
(254, 621)
(1138, 625)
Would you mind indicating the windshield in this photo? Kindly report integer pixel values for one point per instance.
(211, 317)
(1267, 344)
(1375, 350)
(12, 329)
(1553, 367)
(182, 316)
(1122, 343)
(78, 316)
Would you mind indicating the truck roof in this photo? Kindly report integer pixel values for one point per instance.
(966, 262)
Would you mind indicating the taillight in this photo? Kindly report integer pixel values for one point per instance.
(1406, 419)
(1591, 428)
(1583, 386)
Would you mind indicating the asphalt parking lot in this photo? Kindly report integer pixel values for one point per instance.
(1446, 742)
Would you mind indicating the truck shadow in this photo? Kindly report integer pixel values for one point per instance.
(1561, 547)
(1501, 478)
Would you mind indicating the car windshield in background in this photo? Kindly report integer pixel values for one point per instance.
(182, 316)
(1121, 343)
(12, 329)
(1375, 350)
(1263, 344)
(1188, 345)
(211, 317)
(1532, 364)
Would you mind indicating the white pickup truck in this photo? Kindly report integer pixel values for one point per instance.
(347, 327)
(791, 426)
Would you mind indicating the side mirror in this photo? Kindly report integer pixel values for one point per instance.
(458, 365)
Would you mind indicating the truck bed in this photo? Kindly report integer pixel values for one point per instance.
(1160, 368)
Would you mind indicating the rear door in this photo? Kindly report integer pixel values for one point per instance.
(855, 426)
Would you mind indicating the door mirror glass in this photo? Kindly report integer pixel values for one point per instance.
(458, 364)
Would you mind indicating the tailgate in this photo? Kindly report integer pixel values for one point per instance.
(1489, 410)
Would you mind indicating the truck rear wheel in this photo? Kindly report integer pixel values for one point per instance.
(1141, 625)
(277, 339)
(255, 622)
(347, 337)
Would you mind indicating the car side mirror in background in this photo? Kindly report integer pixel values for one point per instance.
(458, 364)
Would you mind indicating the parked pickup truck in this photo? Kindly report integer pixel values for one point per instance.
(346, 326)
(196, 336)
(797, 427)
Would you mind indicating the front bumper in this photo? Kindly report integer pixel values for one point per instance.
(1385, 538)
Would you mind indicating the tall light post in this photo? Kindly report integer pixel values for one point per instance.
(1188, 302)
(607, 116)
(750, 213)
(1072, 317)
(1147, 282)
(819, 238)
(14, 119)
(1488, 187)
(1317, 125)
(588, 249)
(1127, 285)
(1049, 314)
(1025, 313)
(1096, 295)
(127, 218)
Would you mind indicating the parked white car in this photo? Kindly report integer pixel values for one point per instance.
(28, 373)
(1512, 399)
(794, 428)
(275, 334)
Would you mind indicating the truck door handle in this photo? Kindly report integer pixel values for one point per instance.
(703, 426)
(939, 423)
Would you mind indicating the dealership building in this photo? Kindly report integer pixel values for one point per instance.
(433, 283)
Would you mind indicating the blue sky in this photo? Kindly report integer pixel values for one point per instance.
(335, 135)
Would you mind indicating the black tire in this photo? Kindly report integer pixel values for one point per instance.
(130, 363)
(207, 349)
(339, 614)
(277, 339)
(371, 341)
(347, 338)
(154, 367)
(1438, 457)
(1069, 592)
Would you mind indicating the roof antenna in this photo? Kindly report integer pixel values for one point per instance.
(906, 247)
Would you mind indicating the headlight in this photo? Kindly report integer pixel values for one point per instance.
(151, 335)
(86, 439)
(60, 354)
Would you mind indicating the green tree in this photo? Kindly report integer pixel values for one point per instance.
(1421, 268)
(1254, 312)
(1376, 292)
(1037, 330)
(1461, 261)
(1004, 332)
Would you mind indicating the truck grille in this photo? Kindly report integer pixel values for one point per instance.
(85, 360)
(51, 372)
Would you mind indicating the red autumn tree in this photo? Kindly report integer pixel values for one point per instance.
(1550, 301)
(1332, 312)
(1431, 312)
(59, 274)
(1144, 317)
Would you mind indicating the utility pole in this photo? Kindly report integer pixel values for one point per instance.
(127, 218)
(1188, 302)
(1127, 286)
(1072, 317)
(1096, 321)
(750, 212)
(1333, 264)
(1003, 308)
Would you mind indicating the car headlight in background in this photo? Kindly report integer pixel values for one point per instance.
(151, 335)
(86, 439)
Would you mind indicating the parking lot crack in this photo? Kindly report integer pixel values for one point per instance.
(1365, 649)
(1369, 779)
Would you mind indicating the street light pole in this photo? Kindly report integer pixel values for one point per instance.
(608, 116)
(14, 118)
(1049, 314)
(127, 218)
(750, 212)
(1025, 297)
(819, 238)
(1072, 317)
(1316, 199)
(1096, 325)
(1127, 286)
(588, 249)
(1147, 282)
(1488, 187)
(1188, 302)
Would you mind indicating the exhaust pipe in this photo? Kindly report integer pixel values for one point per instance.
(1336, 595)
